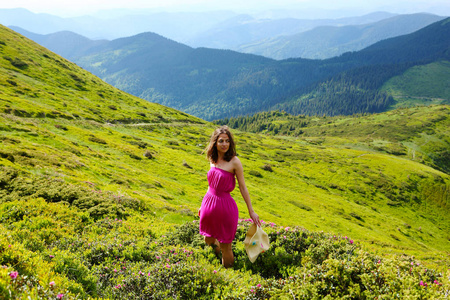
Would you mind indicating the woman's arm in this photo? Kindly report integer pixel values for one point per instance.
(239, 171)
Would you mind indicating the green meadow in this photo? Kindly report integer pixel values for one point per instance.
(421, 85)
(100, 189)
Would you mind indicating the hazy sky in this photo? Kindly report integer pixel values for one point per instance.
(80, 7)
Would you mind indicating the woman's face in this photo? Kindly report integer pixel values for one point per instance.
(223, 143)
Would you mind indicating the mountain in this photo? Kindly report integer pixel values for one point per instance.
(214, 84)
(65, 43)
(328, 41)
(241, 30)
(361, 89)
(99, 192)
(177, 25)
(52, 96)
(38, 23)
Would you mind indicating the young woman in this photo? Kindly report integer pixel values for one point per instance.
(218, 212)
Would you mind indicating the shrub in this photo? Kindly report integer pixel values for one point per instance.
(255, 173)
(8, 156)
(97, 140)
(11, 82)
(134, 156)
(140, 144)
(115, 259)
(14, 186)
(62, 127)
(173, 143)
(148, 154)
(267, 167)
(18, 63)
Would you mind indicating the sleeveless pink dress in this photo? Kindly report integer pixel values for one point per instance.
(219, 213)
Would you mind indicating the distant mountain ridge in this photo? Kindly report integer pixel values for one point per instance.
(244, 29)
(177, 26)
(329, 41)
(185, 27)
(68, 44)
(213, 84)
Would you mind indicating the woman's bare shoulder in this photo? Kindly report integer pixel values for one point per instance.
(235, 160)
(237, 165)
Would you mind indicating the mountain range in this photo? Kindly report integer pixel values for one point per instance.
(174, 25)
(265, 34)
(240, 30)
(213, 83)
(194, 29)
(328, 41)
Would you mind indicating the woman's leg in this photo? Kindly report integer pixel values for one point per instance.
(211, 241)
(227, 255)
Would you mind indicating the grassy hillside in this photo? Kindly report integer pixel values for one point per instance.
(93, 181)
(419, 133)
(421, 85)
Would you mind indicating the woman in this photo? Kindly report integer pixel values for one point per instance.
(218, 212)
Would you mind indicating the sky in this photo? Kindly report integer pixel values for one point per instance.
(71, 8)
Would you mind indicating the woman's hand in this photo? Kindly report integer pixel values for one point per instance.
(255, 218)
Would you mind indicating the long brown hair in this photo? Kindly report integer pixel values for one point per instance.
(211, 149)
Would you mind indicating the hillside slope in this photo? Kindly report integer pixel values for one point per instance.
(421, 85)
(419, 133)
(93, 179)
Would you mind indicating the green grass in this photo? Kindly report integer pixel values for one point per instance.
(67, 153)
(417, 133)
(421, 85)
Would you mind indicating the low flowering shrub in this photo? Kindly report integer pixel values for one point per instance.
(115, 258)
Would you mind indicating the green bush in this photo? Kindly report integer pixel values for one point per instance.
(255, 173)
(97, 140)
(14, 186)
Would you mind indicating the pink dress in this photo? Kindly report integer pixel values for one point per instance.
(219, 213)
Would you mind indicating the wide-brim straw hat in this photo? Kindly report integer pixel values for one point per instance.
(256, 241)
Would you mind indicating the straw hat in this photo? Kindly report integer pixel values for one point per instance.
(256, 241)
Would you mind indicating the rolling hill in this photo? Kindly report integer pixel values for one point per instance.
(94, 184)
